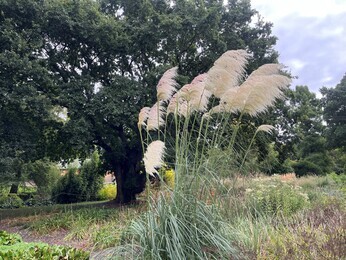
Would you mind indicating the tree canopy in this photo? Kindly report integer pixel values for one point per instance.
(334, 113)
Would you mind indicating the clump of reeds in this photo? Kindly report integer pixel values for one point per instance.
(187, 224)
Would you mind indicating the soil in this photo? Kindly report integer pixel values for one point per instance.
(54, 238)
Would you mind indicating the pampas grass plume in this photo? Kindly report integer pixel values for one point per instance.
(265, 128)
(227, 72)
(167, 85)
(143, 116)
(153, 157)
(155, 116)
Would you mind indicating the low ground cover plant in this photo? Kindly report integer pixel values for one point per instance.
(12, 247)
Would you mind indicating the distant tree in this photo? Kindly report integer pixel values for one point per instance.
(300, 126)
(334, 103)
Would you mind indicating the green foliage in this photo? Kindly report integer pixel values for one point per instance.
(7, 239)
(340, 180)
(276, 199)
(45, 175)
(12, 247)
(81, 185)
(339, 160)
(41, 251)
(69, 188)
(11, 201)
(91, 176)
(97, 227)
(39, 77)
(107, 192)
(334, 100)
(38, 201)
(305, 167)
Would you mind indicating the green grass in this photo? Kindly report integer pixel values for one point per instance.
(31, 211)
(98, 227)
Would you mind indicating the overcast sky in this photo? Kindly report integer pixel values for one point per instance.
(312, 38)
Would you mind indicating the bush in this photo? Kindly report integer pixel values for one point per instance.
(84, 186)
(37, 201)
(69, 188)
(11, 201)
(169, 177)
(91, 176)
(44, 174)
(304, 167)
(276, 199)
(108, 192)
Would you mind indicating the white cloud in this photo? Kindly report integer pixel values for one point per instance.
(312, 36)
(296, 64)
(279, 9)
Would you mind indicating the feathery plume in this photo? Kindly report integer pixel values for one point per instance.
(153, 157)
(227, 72)
(265, 128)
(155, 116)
(267, 69)
(257, 93)
(179, 102)
(167, 85)
(191, 97)
(143, 116)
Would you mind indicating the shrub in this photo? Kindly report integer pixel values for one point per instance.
(169, 177)
(69, 188)
(45, 175)
(276, 199)
(37, 201)
(91, 176)
(318, 234)
(10, 201)
(304, 167)
(108, 192)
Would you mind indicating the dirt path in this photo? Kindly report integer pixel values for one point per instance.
(54, 238)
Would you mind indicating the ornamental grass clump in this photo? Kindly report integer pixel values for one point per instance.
(182, 228)
(186, 126)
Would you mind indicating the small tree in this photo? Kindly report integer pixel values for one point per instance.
(91, 176)
(69, 188)
(44, 174)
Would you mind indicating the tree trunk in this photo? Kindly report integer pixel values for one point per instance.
(14, 188)
(130, 178)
